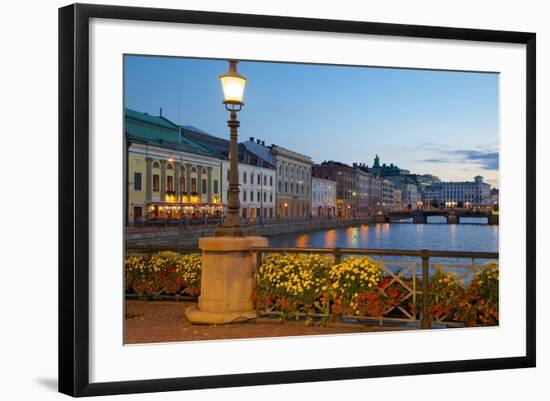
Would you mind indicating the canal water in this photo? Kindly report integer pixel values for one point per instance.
(471, 234)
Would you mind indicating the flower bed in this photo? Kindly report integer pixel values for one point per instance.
(473, 304)
(167, 273)
(297, 284)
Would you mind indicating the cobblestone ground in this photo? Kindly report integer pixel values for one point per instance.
(164, 321)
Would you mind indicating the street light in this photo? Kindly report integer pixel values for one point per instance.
(233, 90)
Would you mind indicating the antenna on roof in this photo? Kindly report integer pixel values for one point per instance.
(160, 113)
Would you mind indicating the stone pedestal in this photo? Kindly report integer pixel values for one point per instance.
(227, 280)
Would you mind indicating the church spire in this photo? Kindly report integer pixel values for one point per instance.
(376, 161)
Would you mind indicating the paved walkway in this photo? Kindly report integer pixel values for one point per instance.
(164, 321)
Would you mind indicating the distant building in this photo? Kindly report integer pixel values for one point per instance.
(293, 187)
(494, 197)
(346, 178)
(458, 194)
(388, 195)
(385, 170)
(323, 197)
(397, 200)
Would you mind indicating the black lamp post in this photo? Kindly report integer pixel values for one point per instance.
(233, 89)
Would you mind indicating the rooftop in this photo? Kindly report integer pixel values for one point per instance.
(159, 131)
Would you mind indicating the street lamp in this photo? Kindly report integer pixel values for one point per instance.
(233, 85)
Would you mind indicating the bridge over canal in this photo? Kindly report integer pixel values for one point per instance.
(452, 216)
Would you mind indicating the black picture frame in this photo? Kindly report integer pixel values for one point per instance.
(74, 198)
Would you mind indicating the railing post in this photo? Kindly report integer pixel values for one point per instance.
(425, 255)
(337, 256)
(258, 259)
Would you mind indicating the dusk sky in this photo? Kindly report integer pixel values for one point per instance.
(429, 122)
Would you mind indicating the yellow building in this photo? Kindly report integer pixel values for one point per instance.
(168, 176)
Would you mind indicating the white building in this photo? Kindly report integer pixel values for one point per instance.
(293, 178)
(459, 194)
(257, 178)
(323, 197)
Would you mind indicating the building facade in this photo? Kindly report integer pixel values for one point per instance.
(459, 194)
(323, 198)
(168, 176)
(346, 178)
(293, 175)
(257, 177)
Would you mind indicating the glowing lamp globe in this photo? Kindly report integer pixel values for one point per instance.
(233, 85)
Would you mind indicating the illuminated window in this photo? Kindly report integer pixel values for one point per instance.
(170, 183)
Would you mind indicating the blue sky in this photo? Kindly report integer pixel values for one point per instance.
(436, 122)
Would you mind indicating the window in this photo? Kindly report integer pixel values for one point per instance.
(265, 180)
(215, 186)
(137, 181)
(156, 164)
(286, 186)
(258, 197)
(270, 212)
(265, 196)
(182, 184)
(169, 166)
(228, 174)
(204, 186)
(244, 196)
(244, 177)
(280, 189)
(170, 183)
(156, 182)
(286, 171)
(259, 179)
(291, 187)
(251, 196)
(271, 197)
(193, 185)
(244, 213)
(271, 181)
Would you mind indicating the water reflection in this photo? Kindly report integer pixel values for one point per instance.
(330, 240)
(451, 237)
(302, 241)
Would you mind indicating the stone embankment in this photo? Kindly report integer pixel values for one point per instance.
(181, 238)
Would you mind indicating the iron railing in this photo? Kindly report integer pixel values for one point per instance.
(415, 265)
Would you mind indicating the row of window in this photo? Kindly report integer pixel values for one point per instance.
(258, 196)
(170, 184)
(299, 173)
(252, 175)
(170, 166)
(294, 189)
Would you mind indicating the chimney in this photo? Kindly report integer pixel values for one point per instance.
(258, 141)
(160, 112)
(251, 139)
(263, 143)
